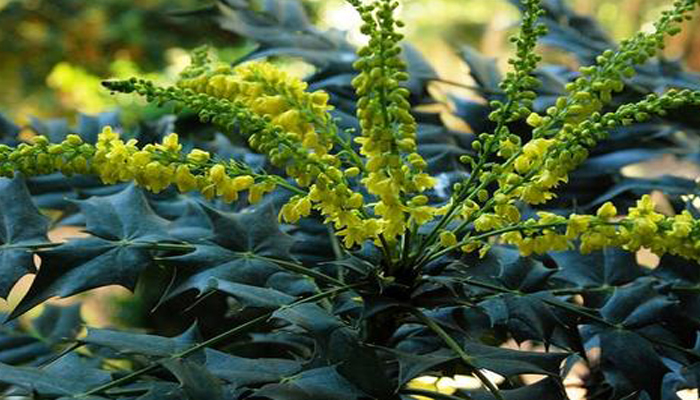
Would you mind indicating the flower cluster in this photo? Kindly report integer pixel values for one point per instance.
(388, 141)
(545, 163)
(270, 92)
(153, 166)
(246, 97)
(642, 227)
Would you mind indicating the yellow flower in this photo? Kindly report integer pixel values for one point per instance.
(448, 238)
(607, 211)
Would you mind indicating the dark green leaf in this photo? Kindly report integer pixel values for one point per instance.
(21, 225)
(240, 371)
(138, 343)
(196, 382)
(315, 384)
(509, 362)
(638, 305)
(123, 225)
(252, 296)
(70, 375)
(607, 267)
(546, 389)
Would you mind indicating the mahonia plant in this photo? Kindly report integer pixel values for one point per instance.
(371, 186)
(377, 193)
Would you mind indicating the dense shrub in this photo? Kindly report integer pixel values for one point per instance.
(340, 244)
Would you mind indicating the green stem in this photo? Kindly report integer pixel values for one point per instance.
(215, 340)
(452, 344)
(486, 235)
(290, 266)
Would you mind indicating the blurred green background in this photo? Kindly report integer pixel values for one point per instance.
(54, 53)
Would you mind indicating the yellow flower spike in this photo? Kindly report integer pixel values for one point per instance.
(106, 135)
(140, 159)
(320, 98)
(536, 148)
(289, 213)
(514, 238)
(422, 214)
(523, 164)
(577, 225)
(420, 200)
(471, 247)
(487, 222)
(682, 225)
(75, 140)
(303, 207)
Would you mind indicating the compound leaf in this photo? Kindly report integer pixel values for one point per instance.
(123, 226)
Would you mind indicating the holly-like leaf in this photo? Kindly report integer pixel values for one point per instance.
(546, 389)
(241, 250)
(482, 69)
(610, 267)
(8, 131)
(629, 362)
(242, 372)
(55, 325)
(636, 306)
(315, 384)
(68, 376)
(142, 344)
(21, 225)
(334, 341)
(508, 362)
(123, 226)
(252, 296)
(196, 382)
(414, 365)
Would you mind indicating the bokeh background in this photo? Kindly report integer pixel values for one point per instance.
(54, 53)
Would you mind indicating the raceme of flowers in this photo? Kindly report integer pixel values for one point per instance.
(375, 189)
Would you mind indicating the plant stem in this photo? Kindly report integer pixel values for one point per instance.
(452, 344)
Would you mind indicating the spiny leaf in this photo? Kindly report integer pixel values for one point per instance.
(607, 267)
(122, 224)
(240, 250)
(54, 326)
(196, 382)
(21, 225)
(546, 389)
(637, 305)
(241, 372)
(138, 343)
(70, 375)
(315, 384)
